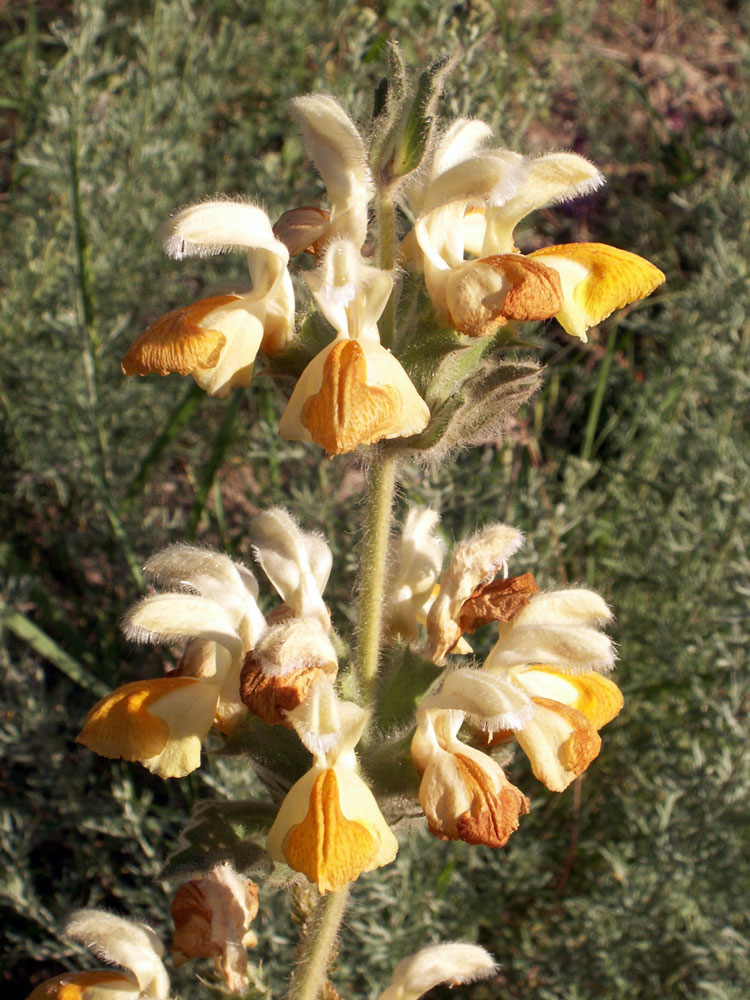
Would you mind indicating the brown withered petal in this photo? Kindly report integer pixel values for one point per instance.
(177, 343)
(303, 230)
(536, 291)
(270, 698)
(191, 913)
(493, 816)
(346, 411)
(496, 601)
(488, 293)
(212, 916)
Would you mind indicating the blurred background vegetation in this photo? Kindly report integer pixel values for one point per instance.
(629, 472)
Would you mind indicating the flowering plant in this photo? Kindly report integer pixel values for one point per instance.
(407, 345)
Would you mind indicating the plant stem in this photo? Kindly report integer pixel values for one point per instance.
(381, 483)
(321, 933)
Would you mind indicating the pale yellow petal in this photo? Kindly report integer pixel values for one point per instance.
(596, 696)
(359, 395)
(340, 834)
(596, 280)
(215, 340)
(178, 342)
(560, 743)
(554, 177)
(159, 722)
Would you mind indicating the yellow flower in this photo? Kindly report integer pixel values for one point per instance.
(217, 339)
(162, 722)
(354, 392)
(553, 651)
(596, 279)
(114, 939)
(330, 827)
(460, 214)
(464, 793)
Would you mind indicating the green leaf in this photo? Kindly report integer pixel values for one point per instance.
(209, 840)
(477, 412)
(388, 117)
(420, 118)
(46, 647)
(278, 757)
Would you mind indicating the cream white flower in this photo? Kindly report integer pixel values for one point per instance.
(162, 722)
(464, 793)
(216, 340)
(339, 153)
(417, 560)
(119, 941)
(354, 392)
(453, 963)
(579, 284)
(554, 652)
(329, 826)
(297, 563)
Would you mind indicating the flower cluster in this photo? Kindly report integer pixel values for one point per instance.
(543, 682)
(356, 373)
(213, 607)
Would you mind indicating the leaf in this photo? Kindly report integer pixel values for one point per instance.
(477, 413)
(389, 112)
(209, 840)
(420, 118)
(278, 757)
(45, 646)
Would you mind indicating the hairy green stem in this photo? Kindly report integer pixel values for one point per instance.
(321, 933)
(381, 484)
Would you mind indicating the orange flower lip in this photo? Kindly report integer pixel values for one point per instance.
(346, 411)
(328, 848)
(177, 342)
